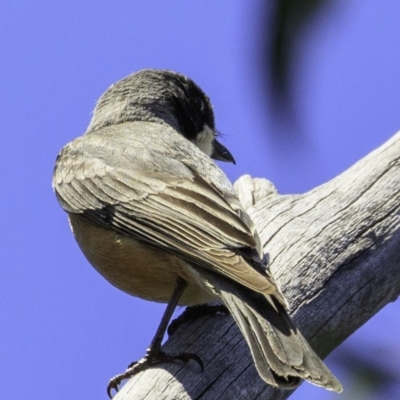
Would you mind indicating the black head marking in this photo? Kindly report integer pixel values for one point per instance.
(192, 107)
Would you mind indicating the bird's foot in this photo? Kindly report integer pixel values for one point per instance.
(195, 312)
(152, 357)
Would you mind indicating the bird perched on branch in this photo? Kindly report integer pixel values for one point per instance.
(159, 220)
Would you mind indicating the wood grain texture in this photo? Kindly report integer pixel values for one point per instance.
(335, 251)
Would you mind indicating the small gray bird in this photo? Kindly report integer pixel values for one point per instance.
(159, 220)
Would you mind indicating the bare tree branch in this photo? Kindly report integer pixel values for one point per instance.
(335, 251)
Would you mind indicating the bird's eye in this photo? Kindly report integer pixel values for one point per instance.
(200, 104)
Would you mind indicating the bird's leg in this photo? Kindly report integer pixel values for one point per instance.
(194, 312)
(154, 355)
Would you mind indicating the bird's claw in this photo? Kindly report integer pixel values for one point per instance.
(149, 360)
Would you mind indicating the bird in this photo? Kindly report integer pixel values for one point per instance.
(156, 217)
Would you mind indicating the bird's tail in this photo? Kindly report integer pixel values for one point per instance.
(281, 354)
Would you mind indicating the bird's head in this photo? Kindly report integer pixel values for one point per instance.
(165, 97)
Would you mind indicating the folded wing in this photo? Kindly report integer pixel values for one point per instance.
(181, 201)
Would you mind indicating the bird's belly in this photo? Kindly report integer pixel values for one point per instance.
(134, 266)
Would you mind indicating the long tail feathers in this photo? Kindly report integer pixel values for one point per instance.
(281, 354)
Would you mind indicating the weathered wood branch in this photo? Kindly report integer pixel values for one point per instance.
(335, 251)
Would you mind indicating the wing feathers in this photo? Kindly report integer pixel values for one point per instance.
(173, 206)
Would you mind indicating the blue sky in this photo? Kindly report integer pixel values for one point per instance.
(63, 328)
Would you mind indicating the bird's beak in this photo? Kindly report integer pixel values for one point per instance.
(221, 153)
